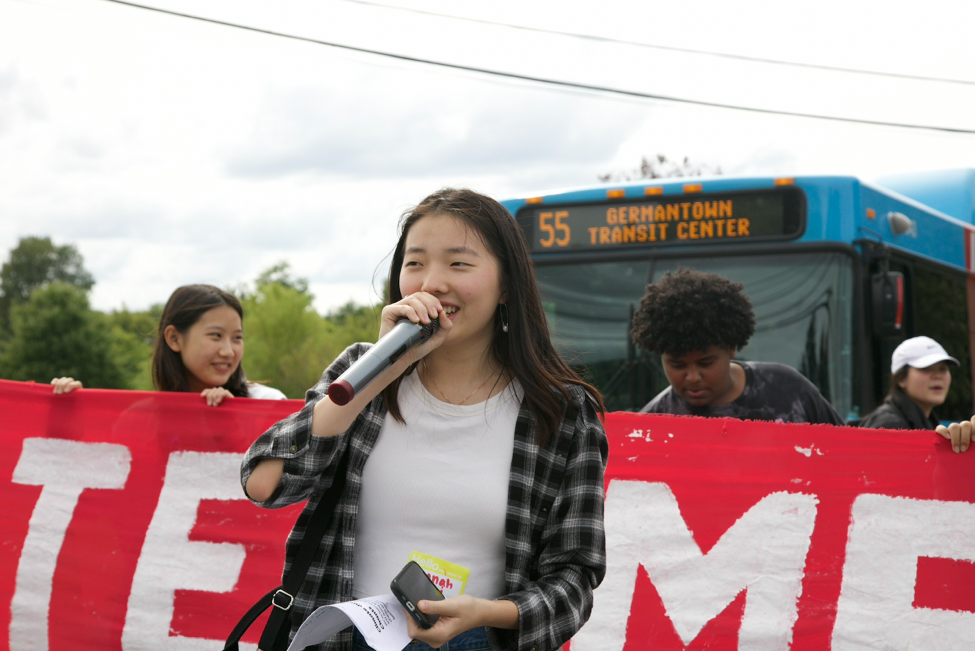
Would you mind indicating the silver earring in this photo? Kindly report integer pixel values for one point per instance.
(504, 313)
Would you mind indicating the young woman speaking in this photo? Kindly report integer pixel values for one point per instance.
(480, 448)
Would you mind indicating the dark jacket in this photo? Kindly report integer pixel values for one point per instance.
(899, 412)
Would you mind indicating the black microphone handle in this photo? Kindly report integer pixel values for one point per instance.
(401, 338)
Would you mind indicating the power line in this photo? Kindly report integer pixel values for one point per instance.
(540, 80)
(724, 55)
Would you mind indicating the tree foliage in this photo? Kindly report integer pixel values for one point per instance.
(353, 323)
(287, 344)
(285, 340)
(281, 275)
(55, 333)
(660, 167)
(33, 263)
(132, 343)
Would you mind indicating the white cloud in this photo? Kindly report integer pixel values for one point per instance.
(374, 126)
(172, 151)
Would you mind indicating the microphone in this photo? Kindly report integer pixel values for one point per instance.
(403, 337)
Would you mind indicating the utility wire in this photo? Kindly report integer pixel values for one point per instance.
(724, 55)
(541, 80)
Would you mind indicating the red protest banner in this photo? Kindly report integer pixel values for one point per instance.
(123, 521)
(726, 534)
(124, 526)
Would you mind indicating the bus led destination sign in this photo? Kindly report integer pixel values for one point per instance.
(684, 220)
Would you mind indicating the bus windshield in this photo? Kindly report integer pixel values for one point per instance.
(802, 301)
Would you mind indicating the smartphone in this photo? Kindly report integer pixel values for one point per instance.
(413, 585)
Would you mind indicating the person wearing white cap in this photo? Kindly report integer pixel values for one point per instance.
(920, 382)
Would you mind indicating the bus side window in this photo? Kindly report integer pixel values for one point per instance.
(941, 312)
(884, 346)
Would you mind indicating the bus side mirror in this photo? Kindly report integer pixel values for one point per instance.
(888, 303)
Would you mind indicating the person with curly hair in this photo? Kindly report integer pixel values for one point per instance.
(696, 322)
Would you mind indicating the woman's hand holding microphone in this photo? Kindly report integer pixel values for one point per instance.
(420, 308)
(332, 418)
(329, 418)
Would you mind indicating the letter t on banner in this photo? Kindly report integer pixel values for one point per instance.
(64, 468)
(170, 560)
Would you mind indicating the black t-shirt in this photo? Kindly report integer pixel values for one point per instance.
(773, 392)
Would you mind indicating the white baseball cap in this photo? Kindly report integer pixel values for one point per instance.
(920, 352)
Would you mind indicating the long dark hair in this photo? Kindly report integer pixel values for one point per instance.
(184, 307)
(525, 351)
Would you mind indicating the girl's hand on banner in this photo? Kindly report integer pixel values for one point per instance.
(215, 395)
(65, 385)
(959, 434)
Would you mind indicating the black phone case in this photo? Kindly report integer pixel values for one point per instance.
(423, 620)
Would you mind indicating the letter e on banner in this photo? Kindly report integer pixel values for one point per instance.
(764, 552)
(64, 468)
(886, 538)
(170, 561)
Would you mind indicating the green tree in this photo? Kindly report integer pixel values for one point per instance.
(132, 344)
(141, 324)
(286, 343)
(280, 274)
(55, 333)
(34, 262)
(354, 323)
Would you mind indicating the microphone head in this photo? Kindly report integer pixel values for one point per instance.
(427, 330)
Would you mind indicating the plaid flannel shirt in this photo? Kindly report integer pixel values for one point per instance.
(554, 530)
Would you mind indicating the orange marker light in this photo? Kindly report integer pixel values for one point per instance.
(654, 190)
(615, 194)
(534, 200)
(785, 181)
(870, 213)
(692, 187)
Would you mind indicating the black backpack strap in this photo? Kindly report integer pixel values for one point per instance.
(248, 619)
(276, 631)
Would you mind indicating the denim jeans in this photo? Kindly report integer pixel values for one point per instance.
(473, 639)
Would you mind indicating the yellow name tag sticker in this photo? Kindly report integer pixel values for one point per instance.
(450, 578)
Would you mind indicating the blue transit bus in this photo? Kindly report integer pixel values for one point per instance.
(839, 271)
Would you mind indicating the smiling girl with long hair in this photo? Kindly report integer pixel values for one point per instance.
(198, 348)
(480, 448)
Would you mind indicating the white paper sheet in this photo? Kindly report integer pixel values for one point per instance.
(381, 620)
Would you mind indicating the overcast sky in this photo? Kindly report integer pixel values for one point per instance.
(171, 151)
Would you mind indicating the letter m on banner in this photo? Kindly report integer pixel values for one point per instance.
(763, 553)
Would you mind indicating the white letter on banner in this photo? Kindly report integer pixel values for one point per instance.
(170, 561)
(886, 538)
(763, 552)
(64, 468)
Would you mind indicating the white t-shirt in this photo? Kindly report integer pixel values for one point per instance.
(438, 485)
(263, 391)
